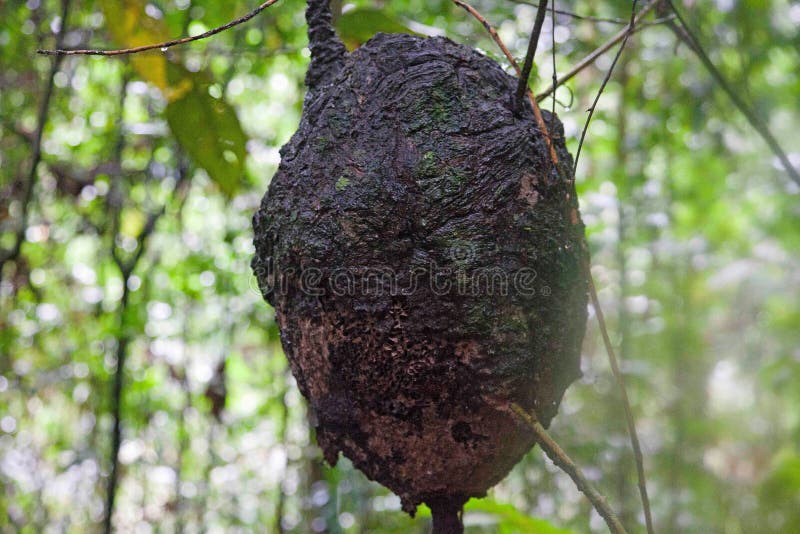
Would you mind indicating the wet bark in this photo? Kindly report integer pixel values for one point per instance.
(424, 256)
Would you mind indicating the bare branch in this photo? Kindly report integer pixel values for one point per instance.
(513, 62)
(36, 147)
(577, 16)
(492, 32)
(115, 203)
(126, 266)
(160, 46)
(607, 77)
(591, 58)
(557, 455)
(590, 18)
(642, 483)
(758, 124)
(634, 436)
(522, 86)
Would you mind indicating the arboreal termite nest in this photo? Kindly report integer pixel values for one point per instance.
(423, 253)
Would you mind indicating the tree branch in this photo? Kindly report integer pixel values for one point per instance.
(126, 268)
(591, 58)
(758, 124)
(557, 455)
(161, 46)
(36, 147)
(634, 436)
(115, 201)
(607, 77)
(590, 18)
(492, 32)
(513, 62)
(577, 16)
(642, 482)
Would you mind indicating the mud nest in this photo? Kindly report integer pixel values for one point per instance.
(424, 255)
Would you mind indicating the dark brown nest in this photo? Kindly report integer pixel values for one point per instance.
(413, 168)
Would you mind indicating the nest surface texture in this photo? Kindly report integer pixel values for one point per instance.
(424, 256)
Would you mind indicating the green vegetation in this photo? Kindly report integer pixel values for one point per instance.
(135, 243)
(342, 183)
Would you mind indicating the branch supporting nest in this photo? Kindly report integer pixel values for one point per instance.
(557, 455)
(513, 62)
(533, 42)
(629, 420)
(159, 46)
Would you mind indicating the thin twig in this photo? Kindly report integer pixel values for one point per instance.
(655, 22)
(555, 69)
(126, 268)
(755, 121)
(571, 14)
(522, 86)
(591, 110)
(513, 62)
(590, 18)
(36, 147)
(160, 46)
(557, 455)
(116, 409)
(492, 32)
(591, 58)
(634, 436)
(115, 204)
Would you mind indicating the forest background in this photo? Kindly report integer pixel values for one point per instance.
(127, 185)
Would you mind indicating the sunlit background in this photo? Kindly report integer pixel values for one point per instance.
(135, 243)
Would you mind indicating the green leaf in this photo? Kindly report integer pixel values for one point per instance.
(780, 491)
(356, 27)
(511, 520)
(206, 127)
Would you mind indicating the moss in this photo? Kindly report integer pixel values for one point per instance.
(428, 166)
(322, 143)
(342, 183)
(456, 178)
(445, 105)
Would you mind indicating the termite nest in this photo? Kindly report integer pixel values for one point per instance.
(423, 251)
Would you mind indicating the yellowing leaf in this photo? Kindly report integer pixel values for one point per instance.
(130, 26)
(206, 128)
(131, 222)
(179, 90)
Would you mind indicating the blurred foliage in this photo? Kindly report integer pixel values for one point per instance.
(694, 227)
(356, 26)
